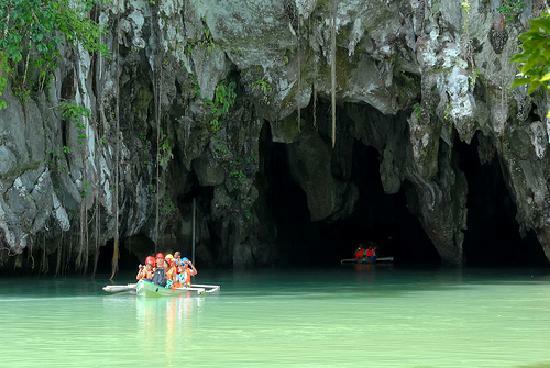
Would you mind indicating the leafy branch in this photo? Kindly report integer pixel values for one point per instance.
(511, 9)
(224, 98)
(534, 59)
(32, 33)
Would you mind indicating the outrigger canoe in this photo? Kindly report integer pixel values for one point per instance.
(149, 289)
(366, 260)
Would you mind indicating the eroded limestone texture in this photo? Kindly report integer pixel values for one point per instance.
(414, 77)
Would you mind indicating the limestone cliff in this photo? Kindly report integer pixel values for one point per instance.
(414, 78)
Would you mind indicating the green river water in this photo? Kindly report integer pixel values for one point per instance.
(312, 318)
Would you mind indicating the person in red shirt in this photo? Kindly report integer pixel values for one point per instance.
(146, 272)
(359, 253)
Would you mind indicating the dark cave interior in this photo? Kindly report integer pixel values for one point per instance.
(378, 218)
(492, 237)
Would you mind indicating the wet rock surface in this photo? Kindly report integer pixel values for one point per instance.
(414, 79)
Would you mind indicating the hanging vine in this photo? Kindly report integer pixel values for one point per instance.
(158, 62)
(116, 246)
(99, 122)
(85, 201)
(77, 115)
(158, 153)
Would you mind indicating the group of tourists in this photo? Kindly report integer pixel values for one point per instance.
(170, 271)
(368, 252)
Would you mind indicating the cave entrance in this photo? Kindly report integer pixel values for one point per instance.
(492, 237)
(202, 196)
(377, 218)
(130, 250)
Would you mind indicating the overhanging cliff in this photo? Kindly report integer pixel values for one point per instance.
(415, 80)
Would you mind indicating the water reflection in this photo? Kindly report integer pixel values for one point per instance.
(388, 318)
(168, 321)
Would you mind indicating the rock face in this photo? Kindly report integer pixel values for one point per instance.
(414, 78)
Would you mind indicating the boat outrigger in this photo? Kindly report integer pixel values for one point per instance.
(367, 260)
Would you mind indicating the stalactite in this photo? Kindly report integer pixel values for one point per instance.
(97, 224)
(59, 254)
(333, 68)
(315, 96)
(84, 231)
(97, 214)
(78, 262)
(67, 254)
(44, 266)
(298, 55)
(116, 250)
(30, 255)
(86, 252)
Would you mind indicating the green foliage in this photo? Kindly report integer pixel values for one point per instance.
(224, 98)
(85, 189)
(196, 87)
(3, 79)
(511, 9)
(215, 125)
(55, 156)
(473, 77)
(534, 59)
(206, 41)
(32, 33)
(75, 114)
(188, 50)
(238, 179)
(466, 6)
(417, 110)
(447, 113)
(262, 85)
(168, 207)
(165, 153)
(221, 150)
(237, 174)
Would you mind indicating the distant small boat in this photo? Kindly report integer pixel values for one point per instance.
(366, 260)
